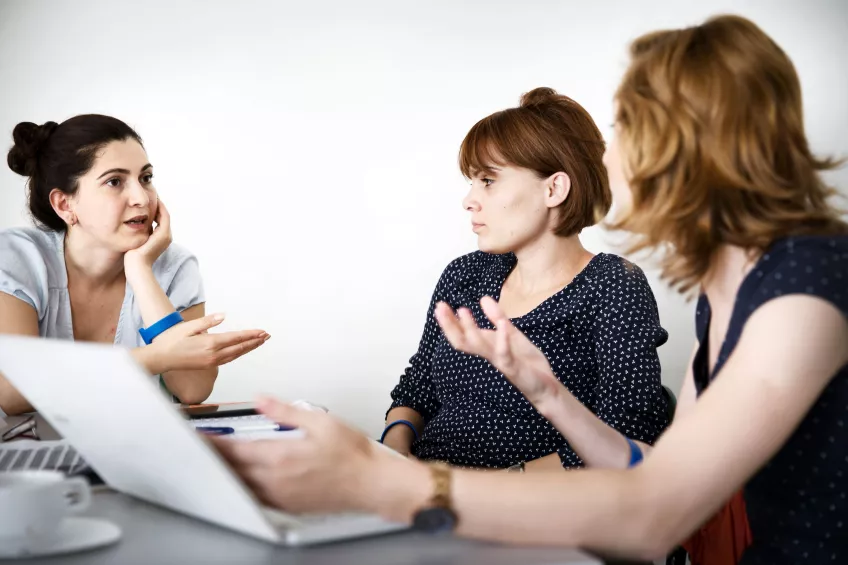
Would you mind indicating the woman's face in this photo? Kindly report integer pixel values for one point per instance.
(512, 207)
(116, 202)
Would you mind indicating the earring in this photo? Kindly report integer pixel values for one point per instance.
(73, 220)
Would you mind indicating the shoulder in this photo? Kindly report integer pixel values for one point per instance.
(612, 275)
(31, 251)
(28, 242)
(816, 266)
(474, 266)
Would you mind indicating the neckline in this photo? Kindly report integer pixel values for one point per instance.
(511, 264)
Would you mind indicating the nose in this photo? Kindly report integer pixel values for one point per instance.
(138, 196)
(470, 202)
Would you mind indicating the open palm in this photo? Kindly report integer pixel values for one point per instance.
(505, 347)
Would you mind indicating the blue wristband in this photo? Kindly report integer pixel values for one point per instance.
(395, 423)
(163, 325)
(635, 453)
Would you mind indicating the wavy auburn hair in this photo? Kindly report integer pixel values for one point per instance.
(711, 132)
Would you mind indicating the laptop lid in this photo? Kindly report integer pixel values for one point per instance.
(105, 405)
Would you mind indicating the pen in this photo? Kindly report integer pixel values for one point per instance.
(224, 430)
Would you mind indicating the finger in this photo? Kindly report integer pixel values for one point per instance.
(227, 339)
(200, 325)
(494, 312)
(163, 217)
(259, 453)
(503, 350)
(233, 352)
(450, 326)
(289, 415)
(473, 337)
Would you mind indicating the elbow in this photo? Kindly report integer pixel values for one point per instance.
(193, 388)
(657, 526)
(660, 533)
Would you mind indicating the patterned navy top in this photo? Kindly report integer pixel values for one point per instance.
(796, 503)
(600, 334)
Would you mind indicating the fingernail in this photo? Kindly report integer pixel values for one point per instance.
(267, 337)
(218, 317)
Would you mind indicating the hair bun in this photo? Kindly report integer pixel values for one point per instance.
(539, 95)
(29, 141)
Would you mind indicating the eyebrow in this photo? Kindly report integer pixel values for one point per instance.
(123, 171)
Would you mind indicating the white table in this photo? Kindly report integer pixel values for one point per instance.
(153, 535)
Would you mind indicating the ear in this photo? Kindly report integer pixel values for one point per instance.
(557, 188)
(62, 205)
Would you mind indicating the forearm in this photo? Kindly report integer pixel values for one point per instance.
(400, 437)
(152, 301)
(597, 444)
(11, 401)
(190, 386)
(608, 509)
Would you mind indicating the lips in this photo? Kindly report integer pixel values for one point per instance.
(137, 221)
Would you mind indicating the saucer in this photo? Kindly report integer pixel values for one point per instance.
(74, 534)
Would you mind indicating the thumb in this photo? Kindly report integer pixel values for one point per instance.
(288, 414)
(203, 324)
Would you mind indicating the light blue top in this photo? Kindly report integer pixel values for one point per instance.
(32, 268)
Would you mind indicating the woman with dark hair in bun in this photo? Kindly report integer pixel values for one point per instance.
(100, 266)
(537, 179)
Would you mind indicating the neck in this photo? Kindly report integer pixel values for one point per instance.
(549, 262)
(730, 265)
(90, 263)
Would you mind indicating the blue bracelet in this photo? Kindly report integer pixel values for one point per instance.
(635, 453)
(395, 423)
(163, 325)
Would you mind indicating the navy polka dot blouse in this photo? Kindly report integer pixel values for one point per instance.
(600, 334)
(796, 503)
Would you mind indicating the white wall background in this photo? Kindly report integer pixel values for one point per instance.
(307, 151)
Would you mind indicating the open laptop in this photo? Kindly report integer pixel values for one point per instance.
(104, 405)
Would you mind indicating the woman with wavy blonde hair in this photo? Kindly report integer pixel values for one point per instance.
(710, 164)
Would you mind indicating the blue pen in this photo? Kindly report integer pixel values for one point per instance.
(224, 430)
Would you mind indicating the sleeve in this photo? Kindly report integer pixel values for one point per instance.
(23, 273)
(185, 288)
(415, 389)
(628, 395)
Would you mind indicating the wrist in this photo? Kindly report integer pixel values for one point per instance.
(151, 357)
(552, 401)
(138, 273)
(394, 487)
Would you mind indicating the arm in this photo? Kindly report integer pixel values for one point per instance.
(18, 318)
(414, 397)
(789, 351)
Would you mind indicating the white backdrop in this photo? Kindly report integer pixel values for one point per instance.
(307, 151)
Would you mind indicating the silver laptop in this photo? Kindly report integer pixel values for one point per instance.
(103, 404)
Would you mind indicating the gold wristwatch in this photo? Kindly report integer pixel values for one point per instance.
(438, 515)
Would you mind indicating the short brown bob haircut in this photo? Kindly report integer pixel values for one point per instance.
(548, 133)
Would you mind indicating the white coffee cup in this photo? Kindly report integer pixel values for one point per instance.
(34, 503)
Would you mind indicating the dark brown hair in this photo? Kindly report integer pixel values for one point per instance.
(548, 133)
(711, 132)
(56, 155)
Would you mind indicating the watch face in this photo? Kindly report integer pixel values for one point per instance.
(435, 519)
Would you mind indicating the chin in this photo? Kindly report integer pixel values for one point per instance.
(492, 247)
